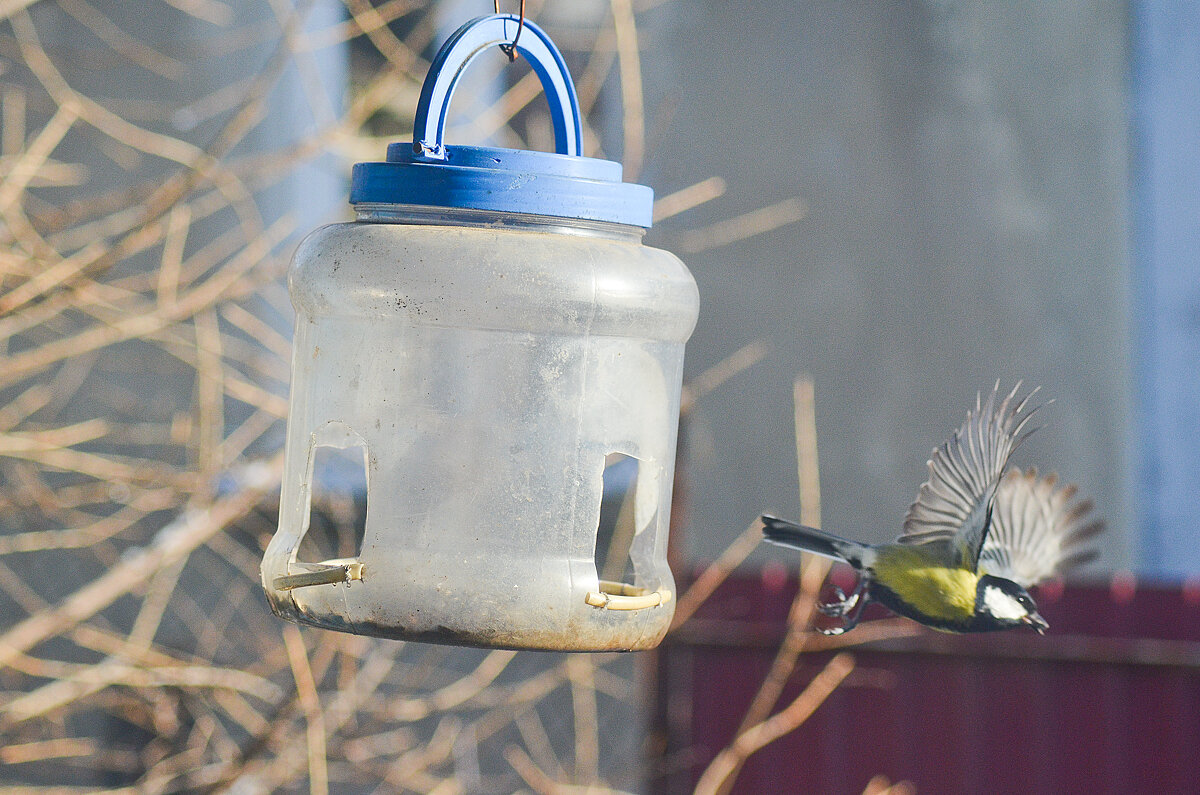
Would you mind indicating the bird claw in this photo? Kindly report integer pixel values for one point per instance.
(836, 607)
(848, 608)
(841, 605)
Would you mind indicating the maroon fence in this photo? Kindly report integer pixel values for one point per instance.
(1107, 702)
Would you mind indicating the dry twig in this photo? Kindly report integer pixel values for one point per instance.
(783, 722)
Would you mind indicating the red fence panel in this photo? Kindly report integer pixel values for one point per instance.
(1107, 702)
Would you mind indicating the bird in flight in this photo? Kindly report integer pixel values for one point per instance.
(977, 537)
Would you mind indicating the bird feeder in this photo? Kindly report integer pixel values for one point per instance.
(485, 341)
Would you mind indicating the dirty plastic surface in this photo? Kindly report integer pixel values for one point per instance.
(487, 371)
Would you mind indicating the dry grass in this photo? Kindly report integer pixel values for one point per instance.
(143, 368)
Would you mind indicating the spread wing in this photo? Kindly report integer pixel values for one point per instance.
(1039, 529)
(954, 505)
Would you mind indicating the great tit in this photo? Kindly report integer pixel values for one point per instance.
(974, 540)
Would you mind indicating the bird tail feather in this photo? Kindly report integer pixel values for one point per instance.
(810, 539)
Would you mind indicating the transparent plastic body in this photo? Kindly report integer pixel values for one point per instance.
(487, 365)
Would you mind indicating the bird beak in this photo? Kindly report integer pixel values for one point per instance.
(1037, 622)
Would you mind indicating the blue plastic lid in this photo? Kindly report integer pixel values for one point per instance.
(561, 184)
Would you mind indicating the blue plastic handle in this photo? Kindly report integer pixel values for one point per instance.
(458, 52)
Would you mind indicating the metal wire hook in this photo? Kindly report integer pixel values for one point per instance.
(510, 49)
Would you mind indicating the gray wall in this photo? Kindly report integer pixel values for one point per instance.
(965, 169)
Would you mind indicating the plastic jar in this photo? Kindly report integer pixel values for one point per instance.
(488, 333)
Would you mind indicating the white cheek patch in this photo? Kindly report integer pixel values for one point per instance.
(1002, 605)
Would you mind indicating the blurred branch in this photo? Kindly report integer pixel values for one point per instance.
(731, 230)
(582, 674)
(173, 542)
(716, 573)
(686, 198)
(629, 61)
(734, 364)
(787, 720)
(457, 693)
(811, 576)
(135, 326)
(66, 689)
(121, 42)
(807, 466)
(310, 703)
(205, 10)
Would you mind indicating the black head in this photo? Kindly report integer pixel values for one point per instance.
(1004, 604)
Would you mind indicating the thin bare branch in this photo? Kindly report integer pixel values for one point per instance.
(630, 65)
(755, 222)
(175, 541)
(310, 703)
(753, 738)
(685, 199)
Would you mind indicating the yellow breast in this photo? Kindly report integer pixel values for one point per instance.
(935, 590)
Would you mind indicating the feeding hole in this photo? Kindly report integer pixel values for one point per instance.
(618, 506)
(335, 517)
(621, 541)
